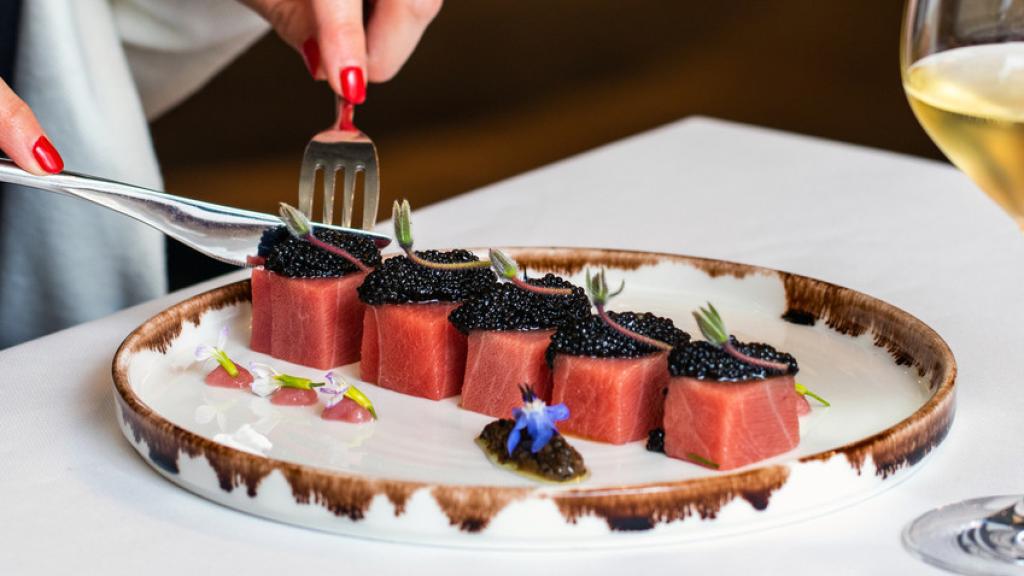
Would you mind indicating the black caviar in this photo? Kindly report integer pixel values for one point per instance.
(592, 337)
(400, 281)
(271, 237)
(656, 440)
(705, 361)
(508, 307)
(295, 258)
(557, 461)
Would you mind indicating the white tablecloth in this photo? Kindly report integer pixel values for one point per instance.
(75, 497)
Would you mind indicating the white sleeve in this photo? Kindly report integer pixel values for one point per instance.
(173, 47)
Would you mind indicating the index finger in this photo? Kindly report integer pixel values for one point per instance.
(343, 46)
(22, 138)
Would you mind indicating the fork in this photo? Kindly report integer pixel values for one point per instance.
(341, 148)
(227, 234)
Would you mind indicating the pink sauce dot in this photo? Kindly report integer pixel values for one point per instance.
(293, 397)
(220, 378)
(347, 411)
(803, 406)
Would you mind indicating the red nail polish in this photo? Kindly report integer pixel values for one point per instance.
(311, 54)
(47, 156)
(353, 86)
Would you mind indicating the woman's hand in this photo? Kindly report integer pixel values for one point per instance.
(331, 37)
(22, 138)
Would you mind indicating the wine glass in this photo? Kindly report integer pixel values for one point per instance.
(962, 64)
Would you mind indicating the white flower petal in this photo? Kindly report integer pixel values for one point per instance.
(222, 338)
(333, 385)
(264, 387)
(204, 352)
(261, 370)
(334, 400)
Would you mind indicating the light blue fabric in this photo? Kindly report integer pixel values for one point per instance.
(64, 261)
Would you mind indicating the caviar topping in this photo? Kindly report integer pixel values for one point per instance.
(591, 336)
(507, 269)
(271, 237)
(509, 307)
(399, 280)
(557, 461)
(295, 258)
(599, 293)
(705, 361)
(712, 327)
(401, 216)
(656, 440)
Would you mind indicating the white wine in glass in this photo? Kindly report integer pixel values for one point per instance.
(963, 71)
(970, 100)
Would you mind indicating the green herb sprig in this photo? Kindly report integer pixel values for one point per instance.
(600, 294)
(298, 225)
(713, 328)
(698, 459)
(804, 391)
(401, 217)
(501, 263)
(507, 269)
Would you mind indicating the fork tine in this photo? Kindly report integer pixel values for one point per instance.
(329, 174)
(307, 180)
(348, 197)
(371, 195)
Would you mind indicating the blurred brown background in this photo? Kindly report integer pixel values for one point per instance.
(497, 88)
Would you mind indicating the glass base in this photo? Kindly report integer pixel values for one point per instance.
(977, 537)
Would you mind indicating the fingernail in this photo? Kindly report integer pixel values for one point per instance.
(353, 87)
(311, 54)
(47, 156)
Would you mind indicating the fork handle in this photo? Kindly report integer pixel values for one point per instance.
(227, 234)
(346, 116)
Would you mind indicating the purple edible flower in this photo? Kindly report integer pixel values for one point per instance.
(338, 389)
(538, 419)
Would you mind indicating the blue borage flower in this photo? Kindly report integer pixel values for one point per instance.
(338, 389)
(538, 419)
(205, 352)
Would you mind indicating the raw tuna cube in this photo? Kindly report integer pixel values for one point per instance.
(369, 361)
(731, 424)
(498, 363)
(803, 406)
(315, 322)
(418, 351)
(262, 314)
(614, 400)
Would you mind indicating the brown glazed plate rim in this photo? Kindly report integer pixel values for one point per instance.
(902, 444)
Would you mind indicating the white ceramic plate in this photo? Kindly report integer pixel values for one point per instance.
(417, 476)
